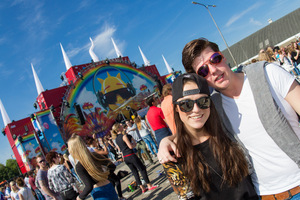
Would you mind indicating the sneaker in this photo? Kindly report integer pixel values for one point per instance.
(153, 187)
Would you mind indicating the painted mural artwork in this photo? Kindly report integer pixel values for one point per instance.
(29, 151)
(49, 134)
(106, 93)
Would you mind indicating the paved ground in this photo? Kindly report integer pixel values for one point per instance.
(156, 176)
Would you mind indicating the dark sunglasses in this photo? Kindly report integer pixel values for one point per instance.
(42, 161)
(216, 58)
(187, 105)
(111, 97)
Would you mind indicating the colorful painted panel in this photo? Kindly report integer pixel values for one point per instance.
(50, 136)
(104, 94)
(28, 150)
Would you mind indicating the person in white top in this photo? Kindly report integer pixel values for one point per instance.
(14, 191)
(145, 133)
(25, 192)
(276, 175)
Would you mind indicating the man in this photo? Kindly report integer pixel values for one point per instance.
(245, 111)
(33, 186)
(156, 119)
(140, 144)
(42, 179)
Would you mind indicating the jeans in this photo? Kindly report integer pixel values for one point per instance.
(296, 197)
(161, 134)
(150, 142)
(39, 195)
(106, 192)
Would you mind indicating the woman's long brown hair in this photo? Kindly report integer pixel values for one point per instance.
(226, 153)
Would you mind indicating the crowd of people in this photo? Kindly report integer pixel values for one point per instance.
(221, 135)
(287, 57)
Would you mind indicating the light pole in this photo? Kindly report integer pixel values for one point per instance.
(206, 6)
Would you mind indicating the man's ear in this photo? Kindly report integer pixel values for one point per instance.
(176, 108)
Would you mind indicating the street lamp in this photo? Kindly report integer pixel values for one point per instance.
(206, 6)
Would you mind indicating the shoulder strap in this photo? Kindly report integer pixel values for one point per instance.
(270, 114)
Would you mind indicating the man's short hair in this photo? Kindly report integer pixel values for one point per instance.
(193, 49)
(150, 100)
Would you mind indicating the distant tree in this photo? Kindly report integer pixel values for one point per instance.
(9, 171)
(3, 173)
(12, 166)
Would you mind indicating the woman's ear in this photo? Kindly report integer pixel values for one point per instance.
(176, 108)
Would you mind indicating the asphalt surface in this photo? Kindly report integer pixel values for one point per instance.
(156, 175)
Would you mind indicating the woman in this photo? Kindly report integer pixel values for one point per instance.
(24, 193)
(143, 128)
(60, 180)
(214, 166)
(295, 54)
(70, 167)
(14, 191)
(92, 145)
(93, 169)
(131, 160)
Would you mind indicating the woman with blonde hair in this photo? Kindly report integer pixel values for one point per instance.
(126, 146)
(145, 133)
(14, 191)
(263, 56)
(93, 169)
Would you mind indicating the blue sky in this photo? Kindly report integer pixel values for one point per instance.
(31, 30)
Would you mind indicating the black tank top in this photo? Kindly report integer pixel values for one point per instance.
(123, 146)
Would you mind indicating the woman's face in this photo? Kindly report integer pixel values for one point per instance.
(120, 128)
(13, 186)
(195, 119)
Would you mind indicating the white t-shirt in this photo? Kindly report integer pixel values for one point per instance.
(15, 195)
(26, 193)
(275, 172)
(144, 130)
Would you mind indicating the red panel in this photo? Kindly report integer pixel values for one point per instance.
(18, 128)
(51, 97)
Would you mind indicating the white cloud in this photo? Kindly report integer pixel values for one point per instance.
(138, 81)
(103, 44)
(236, 17)
(252, 21)
(87, 96)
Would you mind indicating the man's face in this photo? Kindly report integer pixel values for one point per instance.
(41, 162)
(218, 75)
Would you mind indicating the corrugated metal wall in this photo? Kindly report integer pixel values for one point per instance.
(270, 35)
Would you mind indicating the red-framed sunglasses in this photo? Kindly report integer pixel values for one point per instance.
(216, 58)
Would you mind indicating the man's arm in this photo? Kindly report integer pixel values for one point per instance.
(293, 97)
(166, 146)
(45, 188)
